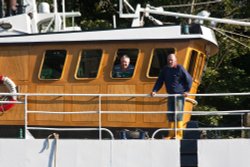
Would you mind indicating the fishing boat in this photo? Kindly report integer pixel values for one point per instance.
(58, 82)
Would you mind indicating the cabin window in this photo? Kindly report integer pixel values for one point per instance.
(159, 60)
(200, 64)
(89, 63)
(53, 63)
(118, 71)
(192, 62)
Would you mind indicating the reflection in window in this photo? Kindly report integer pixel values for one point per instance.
(192, 63)
(53, 64)
(159, 60)
(118, 71)
(89, 63)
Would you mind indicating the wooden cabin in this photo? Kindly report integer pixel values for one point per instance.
(83, 64)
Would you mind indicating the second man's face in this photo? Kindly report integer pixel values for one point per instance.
(124, 63)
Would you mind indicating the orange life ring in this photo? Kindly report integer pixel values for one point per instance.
(12, 89)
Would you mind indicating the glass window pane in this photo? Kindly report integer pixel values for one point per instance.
(125, 63)
(199, 67)
(53, 64)
(159, 60)
(89, 63)
(202, 60)
(192, 62)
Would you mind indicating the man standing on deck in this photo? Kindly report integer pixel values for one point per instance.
(177, 81)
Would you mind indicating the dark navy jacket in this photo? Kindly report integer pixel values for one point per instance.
(118, 73)
(177, 80)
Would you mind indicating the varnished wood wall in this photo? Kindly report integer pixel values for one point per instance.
(21, 63)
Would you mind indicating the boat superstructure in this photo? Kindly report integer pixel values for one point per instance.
(81, 62)
(36, 18)
(61, 83)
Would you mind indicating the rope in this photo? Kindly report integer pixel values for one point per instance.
(56, 137)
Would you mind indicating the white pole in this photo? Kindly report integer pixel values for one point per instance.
(226, 21)
(55, 6)
(33, 12)
(64, 18)
(114, 21)
(57, 17)
(191, 11)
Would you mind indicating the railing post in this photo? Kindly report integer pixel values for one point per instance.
(100, 116)
(175, 115)
(25, 115)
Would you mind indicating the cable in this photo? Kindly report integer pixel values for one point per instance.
(235, 40)
(195, 4)
(234, 33)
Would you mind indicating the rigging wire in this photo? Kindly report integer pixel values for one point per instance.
(195, 4)
(246, 19)
(235, 40)
(234, 33)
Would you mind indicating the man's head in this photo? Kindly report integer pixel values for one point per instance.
(125, 60)
(172, 60)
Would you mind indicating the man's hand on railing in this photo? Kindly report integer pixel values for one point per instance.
(153, 94)
(185, 94)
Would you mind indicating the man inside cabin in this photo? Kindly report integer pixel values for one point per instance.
(177, 81)
(11, 7)
(124, 69)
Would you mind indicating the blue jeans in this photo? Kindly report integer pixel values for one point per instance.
(179, 107)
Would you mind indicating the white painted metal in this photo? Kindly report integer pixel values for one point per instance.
(159, 11)
(121, 153)
(224, 153)
(150, 33)
(100, 112)
(226, 21)
(29, 22)
(90, 153)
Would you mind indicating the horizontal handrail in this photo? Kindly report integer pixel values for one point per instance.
(100, 112)
(13, 102)
(123, 95)
(72, 129)
(200, 129)
(55, 112)
(237, 112)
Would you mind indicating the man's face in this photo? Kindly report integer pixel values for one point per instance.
(172, 61)
(125, 63)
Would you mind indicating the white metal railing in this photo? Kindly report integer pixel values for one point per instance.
(100, 111)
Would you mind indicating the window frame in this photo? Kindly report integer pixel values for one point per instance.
(199, 64)
(151, 60)
(79, 61)
(42, 64)
(190, 51)
(135, 63)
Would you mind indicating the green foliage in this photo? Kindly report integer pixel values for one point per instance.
(229, 70)
(95, 24)
(209, 120)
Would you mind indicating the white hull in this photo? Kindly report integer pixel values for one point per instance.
(89, 153)
(120, 153)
